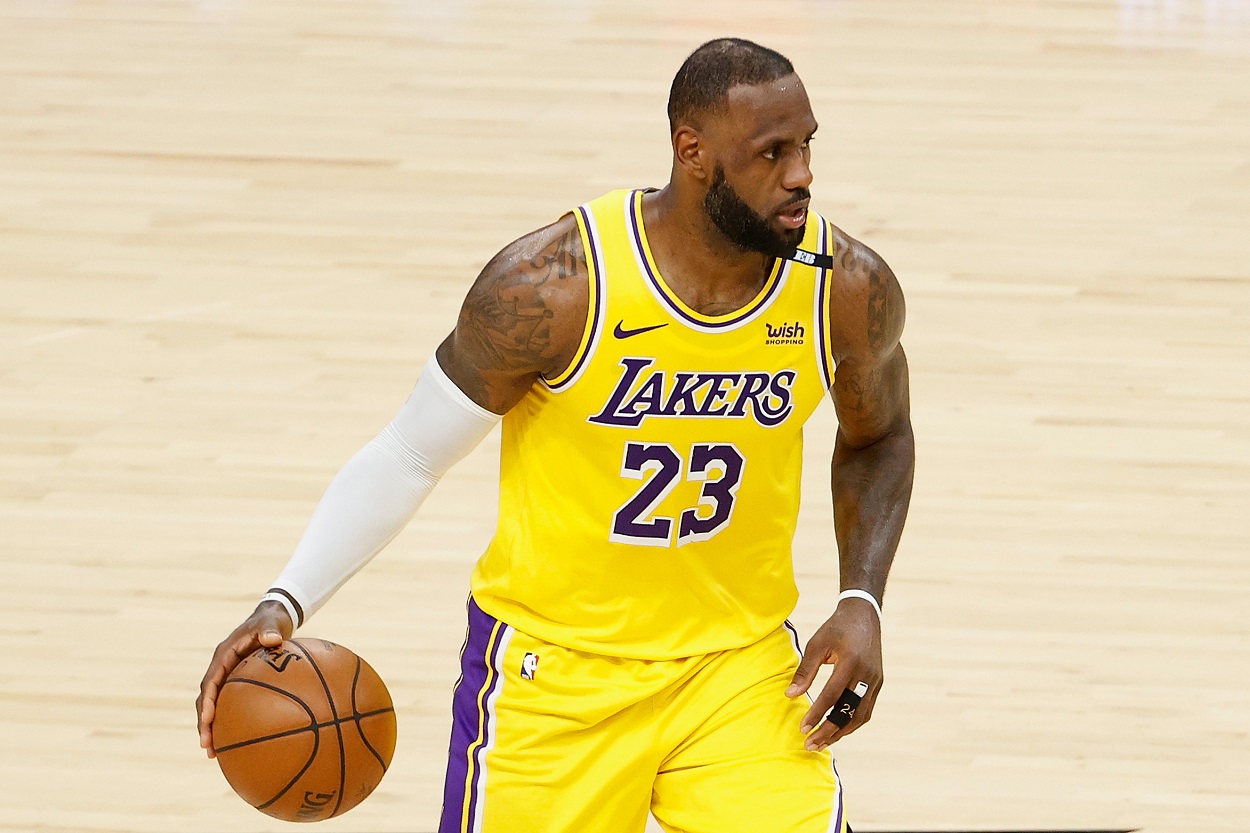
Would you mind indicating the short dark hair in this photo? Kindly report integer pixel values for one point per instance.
(712, 70)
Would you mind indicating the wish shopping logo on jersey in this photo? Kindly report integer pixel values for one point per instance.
(643, 392)
(784, 333)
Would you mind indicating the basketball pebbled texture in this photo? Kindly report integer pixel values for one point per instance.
(305, 731)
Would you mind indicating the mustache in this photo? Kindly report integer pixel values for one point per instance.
(800, 194)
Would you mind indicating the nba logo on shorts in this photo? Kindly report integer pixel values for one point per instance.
(529, 665)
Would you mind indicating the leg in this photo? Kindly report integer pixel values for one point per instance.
(544, 740)
(739, 765)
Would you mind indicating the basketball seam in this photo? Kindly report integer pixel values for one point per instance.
(312, 718)
(357, 716)
(311, 757)
(338, 727)
(311, 727)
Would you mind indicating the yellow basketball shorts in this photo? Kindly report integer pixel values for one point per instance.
(550, 740)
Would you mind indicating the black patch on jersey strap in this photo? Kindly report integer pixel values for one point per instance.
(812, 259)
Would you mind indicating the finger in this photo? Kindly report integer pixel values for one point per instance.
(225, 659)
(206, 743)
(841, 718)
(806, 672)
(864, 713)
(856, 718)
(830, 732)
(270, 638)
(240, 648)
(826, 733)
(207, 706)
(869, 702)
(823, 702)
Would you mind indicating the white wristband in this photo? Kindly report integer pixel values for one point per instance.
(284, 599)
(861, 594)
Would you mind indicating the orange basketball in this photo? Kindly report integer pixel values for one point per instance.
(304, 732)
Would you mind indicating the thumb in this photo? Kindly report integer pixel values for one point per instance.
(803, 675)
(270, 638)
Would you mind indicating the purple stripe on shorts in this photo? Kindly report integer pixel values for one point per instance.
(835, 813)
(476, 675)
(837, 827)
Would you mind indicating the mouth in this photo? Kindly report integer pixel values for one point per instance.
(794, 215)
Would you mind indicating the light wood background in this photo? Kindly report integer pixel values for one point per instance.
(231, 233)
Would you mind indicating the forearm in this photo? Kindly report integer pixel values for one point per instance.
(375, 494)
(871, 493)
(366, 505)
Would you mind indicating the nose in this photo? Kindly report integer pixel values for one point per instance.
(798, 174)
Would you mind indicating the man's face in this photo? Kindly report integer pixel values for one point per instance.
(760, 143)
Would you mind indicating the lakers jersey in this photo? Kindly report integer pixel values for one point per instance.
(649, 494)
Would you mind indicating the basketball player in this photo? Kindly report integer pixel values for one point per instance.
(653, 356)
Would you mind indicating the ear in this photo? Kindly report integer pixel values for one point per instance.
(691, 154)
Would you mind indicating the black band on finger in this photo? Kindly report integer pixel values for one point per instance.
(843, 711)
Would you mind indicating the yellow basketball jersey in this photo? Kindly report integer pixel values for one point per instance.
(649, 494)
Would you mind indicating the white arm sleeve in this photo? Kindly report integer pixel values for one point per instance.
(375, 494)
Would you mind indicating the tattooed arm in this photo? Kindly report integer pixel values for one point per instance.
(873, 461)
(523, 318)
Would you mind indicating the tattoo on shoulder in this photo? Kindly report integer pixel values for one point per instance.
(878, 309)
(508, 315)
(882, 304)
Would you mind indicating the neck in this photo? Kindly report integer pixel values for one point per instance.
(696, 258)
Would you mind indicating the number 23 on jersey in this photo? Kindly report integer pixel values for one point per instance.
(660, 466)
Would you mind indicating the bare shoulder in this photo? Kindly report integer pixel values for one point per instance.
(867, 309)
(523, 317)
(866, 314)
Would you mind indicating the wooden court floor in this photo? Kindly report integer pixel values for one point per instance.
(231, 233)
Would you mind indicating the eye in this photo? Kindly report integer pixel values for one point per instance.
(773, 153)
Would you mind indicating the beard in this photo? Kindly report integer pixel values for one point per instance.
(743, 225)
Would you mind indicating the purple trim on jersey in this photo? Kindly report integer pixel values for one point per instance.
(597, 313)
(477, 682)
(822, 312)
(635, 229)
(794, 637)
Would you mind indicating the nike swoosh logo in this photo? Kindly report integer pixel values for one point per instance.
(621, 332)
